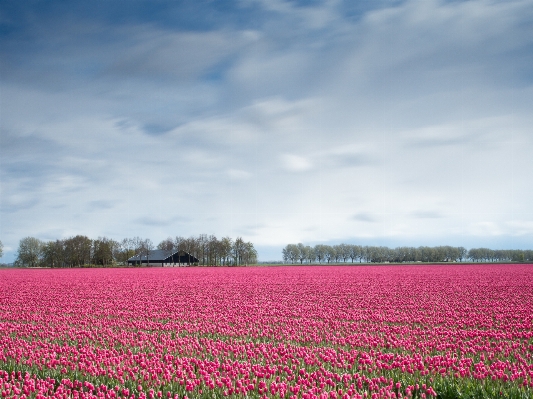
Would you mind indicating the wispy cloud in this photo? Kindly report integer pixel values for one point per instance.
(268, 113)
(158, 221)
(427, 215)
(296, 163)
(365, 217)
(102, 204)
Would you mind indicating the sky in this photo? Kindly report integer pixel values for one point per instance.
(364, 122)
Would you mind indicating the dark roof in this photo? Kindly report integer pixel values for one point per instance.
(155, 255)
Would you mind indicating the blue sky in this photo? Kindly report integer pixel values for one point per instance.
(373, 122)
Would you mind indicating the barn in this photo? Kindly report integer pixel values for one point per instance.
(163, 258)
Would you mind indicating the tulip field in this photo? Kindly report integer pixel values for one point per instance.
(410, 331)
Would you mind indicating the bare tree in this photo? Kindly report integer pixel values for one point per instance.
(179, 246)
(179, 243)
(116, 250)
(190, 246)
(212, 250)
(137, 244)
(167, 244)
(146, 246)
(127, 250)
(201, 242)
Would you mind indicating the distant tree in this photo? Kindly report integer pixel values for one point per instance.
(167, 244)
(402, 253)
(425, 254)
(370, 253)
(226, 245)
(454, 254)
(330, 253)
(1, 249)
(320, 252)
(126, 250)
(294, 253)
(239, 247)
(355, 252)
(179, 243)
(116, 250)
(145, 247)
(362, 252)
(387, 254)
(104, 250)
(53, 253)
(249, 254)
(518, 256)
(29, 252)
(310, 253)
(77, 250)
(190, 246)
(344, 251)
(212, 250)
(474, 254)
(291, 253)
(413, 254)
(302, 252)
(461, 253)
(148, 246)
(376, 254)
(207, 249)
(201, 243)
(438, 254)
(137, 244)
(285, 253)
(337, 253)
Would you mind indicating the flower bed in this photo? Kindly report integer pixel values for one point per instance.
(302, 332)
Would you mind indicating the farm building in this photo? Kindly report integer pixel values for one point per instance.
(164, 258)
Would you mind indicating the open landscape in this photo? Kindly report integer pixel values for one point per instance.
(256, 199)
(447, 331)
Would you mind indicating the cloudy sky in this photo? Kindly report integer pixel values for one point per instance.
(370, 122)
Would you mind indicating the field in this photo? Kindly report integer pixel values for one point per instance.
(303, 332)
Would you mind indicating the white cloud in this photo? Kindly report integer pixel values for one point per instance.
(238, 174)
(409, 123)
(296, 163)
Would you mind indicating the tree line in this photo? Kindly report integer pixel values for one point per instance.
(82, 251)
(300, 253)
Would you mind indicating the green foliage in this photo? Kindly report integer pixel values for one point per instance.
(29, 252)
(372, 254)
